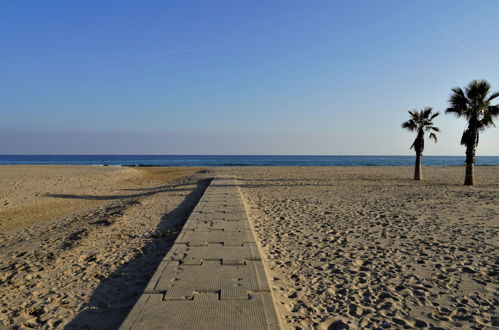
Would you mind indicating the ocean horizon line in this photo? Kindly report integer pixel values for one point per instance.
(240, 160)
(242, 155)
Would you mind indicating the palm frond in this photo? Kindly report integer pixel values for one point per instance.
(433, 136)
(493, 96)
(458, 102)
(477, 90)
(436, 114)
(426, 112)
(455, 111)
(488, 117)
(410, 125)
(493, 110)
(458, 91)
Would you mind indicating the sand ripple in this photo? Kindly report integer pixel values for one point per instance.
(369, 248)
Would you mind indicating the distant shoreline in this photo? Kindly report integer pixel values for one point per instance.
(237, 161)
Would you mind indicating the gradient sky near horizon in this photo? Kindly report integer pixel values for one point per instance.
(238, 77)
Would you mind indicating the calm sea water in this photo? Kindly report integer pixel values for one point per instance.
(183, 160)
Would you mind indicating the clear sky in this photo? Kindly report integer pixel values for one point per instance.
(238, 77)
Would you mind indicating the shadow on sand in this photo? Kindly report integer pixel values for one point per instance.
(115, 296)
(149, 192)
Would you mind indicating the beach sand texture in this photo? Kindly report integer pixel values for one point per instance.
(364, 246)
(78, 244)
(370, 247)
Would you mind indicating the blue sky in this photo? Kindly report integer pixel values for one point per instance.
(238, 77)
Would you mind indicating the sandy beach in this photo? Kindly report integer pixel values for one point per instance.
(363, 246)
(257, 165)
(78, 243)
(371, 248)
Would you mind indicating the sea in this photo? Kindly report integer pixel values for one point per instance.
(240, 160)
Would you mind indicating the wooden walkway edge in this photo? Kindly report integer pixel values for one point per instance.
(213, 276)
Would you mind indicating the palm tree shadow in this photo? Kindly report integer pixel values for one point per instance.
(115, 296)
(150, 192)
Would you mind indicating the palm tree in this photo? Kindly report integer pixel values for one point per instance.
(475, 105)
(421, 122)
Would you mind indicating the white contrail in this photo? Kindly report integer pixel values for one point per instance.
(454, 39)
(173, 52)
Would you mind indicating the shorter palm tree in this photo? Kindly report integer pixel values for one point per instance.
(474, 104)
(421, 122)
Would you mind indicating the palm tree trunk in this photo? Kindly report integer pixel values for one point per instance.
(469, 179)
(418, 175)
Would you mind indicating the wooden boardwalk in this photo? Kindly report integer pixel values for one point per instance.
(213, 276)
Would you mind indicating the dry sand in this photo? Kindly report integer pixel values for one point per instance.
(371, 248)
(367, 247)
(78, 244)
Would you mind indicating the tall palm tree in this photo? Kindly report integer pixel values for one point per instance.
(421, 122)
(474, 103)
